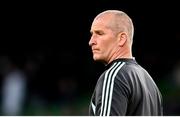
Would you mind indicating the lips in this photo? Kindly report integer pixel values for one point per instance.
(95, 51)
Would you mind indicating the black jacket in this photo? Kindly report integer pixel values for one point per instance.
(125, 88)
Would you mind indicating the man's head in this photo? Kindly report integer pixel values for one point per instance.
(112, 36)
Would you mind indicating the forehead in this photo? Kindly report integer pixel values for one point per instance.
(101, 22)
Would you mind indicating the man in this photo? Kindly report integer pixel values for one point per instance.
(125, 88)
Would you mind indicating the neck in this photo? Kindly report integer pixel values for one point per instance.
(121, 53)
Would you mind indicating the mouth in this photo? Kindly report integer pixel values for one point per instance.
(95, 50)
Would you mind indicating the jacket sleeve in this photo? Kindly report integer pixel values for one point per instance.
(112, 97)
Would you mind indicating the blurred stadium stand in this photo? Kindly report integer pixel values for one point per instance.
(49, 42)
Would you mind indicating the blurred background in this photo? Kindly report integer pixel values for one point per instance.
(46, 66)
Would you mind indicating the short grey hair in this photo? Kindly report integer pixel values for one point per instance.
(120, 22)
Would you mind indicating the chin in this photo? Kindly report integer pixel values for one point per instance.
(97, 58)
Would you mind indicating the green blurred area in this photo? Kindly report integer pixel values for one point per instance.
(170, 89)
(79, 107)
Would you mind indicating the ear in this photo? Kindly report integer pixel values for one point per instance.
(122, 38)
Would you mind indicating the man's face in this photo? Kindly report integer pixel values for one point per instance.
(103, 40)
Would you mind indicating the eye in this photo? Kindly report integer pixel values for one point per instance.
(99, 32)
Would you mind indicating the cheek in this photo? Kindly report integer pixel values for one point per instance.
(107, 45)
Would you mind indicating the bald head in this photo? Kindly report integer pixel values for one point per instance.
(118, 21)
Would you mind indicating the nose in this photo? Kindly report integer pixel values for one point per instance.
(91, 41)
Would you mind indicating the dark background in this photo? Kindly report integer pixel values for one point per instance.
(55, 35)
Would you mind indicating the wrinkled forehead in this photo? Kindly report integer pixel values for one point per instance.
(103, 20)
(104, 17)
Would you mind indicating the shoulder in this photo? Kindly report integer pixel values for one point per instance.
(111, 72)
(121, 71)
(116, 69)
(113, 69)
